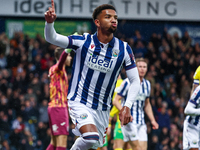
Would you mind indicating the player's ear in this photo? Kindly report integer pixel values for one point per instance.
(97, 22)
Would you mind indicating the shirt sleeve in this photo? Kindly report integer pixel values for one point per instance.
(54, 38)
(123, 88)
(72, 41)
(134, 88)
(129, 58)
(77, 41)
(191, 109)
(148, 88)
(62, 60)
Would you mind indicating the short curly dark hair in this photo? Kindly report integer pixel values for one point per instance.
(57, 53)
(98, 10)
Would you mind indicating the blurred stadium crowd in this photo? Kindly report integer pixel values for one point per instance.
(24, 88)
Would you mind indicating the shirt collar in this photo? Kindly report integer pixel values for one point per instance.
(96, 40)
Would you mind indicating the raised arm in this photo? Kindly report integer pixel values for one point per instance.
(63, 58)
(50, 34)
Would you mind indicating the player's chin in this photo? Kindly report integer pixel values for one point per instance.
(112, 30)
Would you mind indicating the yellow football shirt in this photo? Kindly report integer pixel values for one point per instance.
(196, 76)
(114, 110)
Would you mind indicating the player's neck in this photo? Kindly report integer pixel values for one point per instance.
(141, 78)
(103, 37)
(58, 62)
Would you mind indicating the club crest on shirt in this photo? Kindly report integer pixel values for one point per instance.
(115, 52)
(194, 142)
(83, 116)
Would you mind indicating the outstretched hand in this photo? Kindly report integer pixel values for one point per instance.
(50, 15)
(125, 116)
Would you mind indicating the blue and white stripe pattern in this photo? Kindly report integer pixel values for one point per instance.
(137, 110)
(96, 67)
(195, 99)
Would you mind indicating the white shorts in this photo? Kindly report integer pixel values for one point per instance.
(133, 132)
(81, 115)
(190, 136)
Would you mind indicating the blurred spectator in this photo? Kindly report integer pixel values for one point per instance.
(3, 62)
(45, 62)
(4, 125)
(4, 104)
(42, 131)
(164, 137)
(15, 138)
(48, 138)
(30, 117)
(18, 124)
(43, 113)
(155, 143)
(45, 91)
(140, 50)
(138, 37)
(5, 145)
(163, 117)
(151, 53)
(14, 102)
(186, 40)
(36, 86)
(36, 50)
(37, 62)
(30, 94)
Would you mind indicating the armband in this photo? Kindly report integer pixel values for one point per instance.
(68, 50)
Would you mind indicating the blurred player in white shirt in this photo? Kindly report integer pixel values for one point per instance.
(192, 122)
(187, 131)
(135, 132)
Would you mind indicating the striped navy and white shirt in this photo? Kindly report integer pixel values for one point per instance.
(195, 99)
(137, 110)
(95, 69)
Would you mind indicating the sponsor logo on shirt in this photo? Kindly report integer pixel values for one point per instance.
(97, 63)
